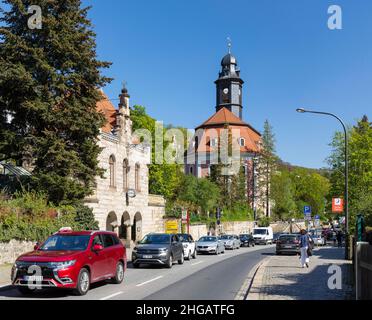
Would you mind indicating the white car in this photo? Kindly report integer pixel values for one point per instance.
(319, 240)
(189, 246)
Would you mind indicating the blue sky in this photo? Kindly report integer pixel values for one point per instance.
(169, 52)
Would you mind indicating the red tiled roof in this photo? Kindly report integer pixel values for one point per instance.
(107, 108)
(223, 116)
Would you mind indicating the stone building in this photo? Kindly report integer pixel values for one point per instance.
(121, 201)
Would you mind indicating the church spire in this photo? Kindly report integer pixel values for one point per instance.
(229, 84)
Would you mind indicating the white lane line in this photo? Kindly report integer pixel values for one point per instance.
(148, 281)
(111, 295)
(194, 264)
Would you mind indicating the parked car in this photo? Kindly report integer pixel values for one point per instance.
(189, 246)
(71, 260)
(246, 240)
(158, 248)
(276, 236)
(319, 240)
(288, 243)
(231, 241)
(210, 244)
(263, 235)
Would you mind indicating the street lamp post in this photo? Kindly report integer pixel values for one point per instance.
(346, 192)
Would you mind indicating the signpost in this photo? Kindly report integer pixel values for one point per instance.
(337, 205)
(186, 219)
(171, 226)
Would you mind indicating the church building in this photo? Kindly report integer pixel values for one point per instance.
(225, 127)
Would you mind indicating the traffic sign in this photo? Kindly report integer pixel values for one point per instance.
(316, 217)
(307, 210)
(337, 205)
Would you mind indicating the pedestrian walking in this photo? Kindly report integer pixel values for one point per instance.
(304, 247)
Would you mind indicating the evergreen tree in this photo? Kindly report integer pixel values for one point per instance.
(48, 92)
(266, 166)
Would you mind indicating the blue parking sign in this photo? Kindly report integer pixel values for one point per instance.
(307, 210)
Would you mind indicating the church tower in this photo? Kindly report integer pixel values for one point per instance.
(229, 86)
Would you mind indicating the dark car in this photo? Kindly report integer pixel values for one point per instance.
(288, 244)
(158, 248)
(246, 240)
(276, 236)
(71, 260)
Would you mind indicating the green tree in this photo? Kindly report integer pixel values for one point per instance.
(282, 194)
(360, 169)
(48, 83)
(164, 178)
(266, 166)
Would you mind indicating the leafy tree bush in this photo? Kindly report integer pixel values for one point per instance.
(28, 216)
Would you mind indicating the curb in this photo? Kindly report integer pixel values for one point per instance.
(247, 285)
(257, 281)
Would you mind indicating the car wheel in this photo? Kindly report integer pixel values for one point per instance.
(182, 260)
(119, 274)
(194, 254)
(169, 262)
(26, 290)
(83, 282)
(216, 253)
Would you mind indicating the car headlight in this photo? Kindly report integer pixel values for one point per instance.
(62, 264)
(185, 245)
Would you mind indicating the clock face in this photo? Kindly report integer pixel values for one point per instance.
(226, 91)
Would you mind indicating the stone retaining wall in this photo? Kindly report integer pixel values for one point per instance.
(9, 251)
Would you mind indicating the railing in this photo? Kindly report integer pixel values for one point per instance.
(363, 271)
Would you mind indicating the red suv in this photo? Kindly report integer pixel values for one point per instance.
(71, 260)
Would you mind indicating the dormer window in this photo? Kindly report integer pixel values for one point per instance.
(242, 142)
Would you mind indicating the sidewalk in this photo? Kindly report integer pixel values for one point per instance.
(282, 278)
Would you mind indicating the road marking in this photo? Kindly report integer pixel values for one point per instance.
(148, 281)
(194, 264)
(111, 295)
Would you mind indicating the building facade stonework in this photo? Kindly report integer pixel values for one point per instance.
(121, 201)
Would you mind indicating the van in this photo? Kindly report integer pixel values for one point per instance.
(263, 235)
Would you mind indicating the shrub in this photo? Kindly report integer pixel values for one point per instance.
(28, 216)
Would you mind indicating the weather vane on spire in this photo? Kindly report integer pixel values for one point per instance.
(229, 44)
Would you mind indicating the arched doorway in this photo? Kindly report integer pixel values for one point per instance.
(112, 222)
(137, 227)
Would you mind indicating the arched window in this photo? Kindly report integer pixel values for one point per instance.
(137, 177)
(125, 174)
(112, 171)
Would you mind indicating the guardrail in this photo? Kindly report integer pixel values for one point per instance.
(363, 271)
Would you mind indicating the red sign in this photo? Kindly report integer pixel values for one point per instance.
(337, 205)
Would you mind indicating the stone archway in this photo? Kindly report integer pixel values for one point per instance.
(137, 227)
(112, 222)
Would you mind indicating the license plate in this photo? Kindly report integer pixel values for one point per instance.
(33, 278)
(146, 256)
(287, 246)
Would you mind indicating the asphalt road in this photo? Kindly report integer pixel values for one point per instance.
(206, 277)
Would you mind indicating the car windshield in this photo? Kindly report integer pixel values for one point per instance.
(207, 239)
(155, 239)
(259, 231)
(66, 242)
(287, 238)
(183, 237)
(226, 237)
